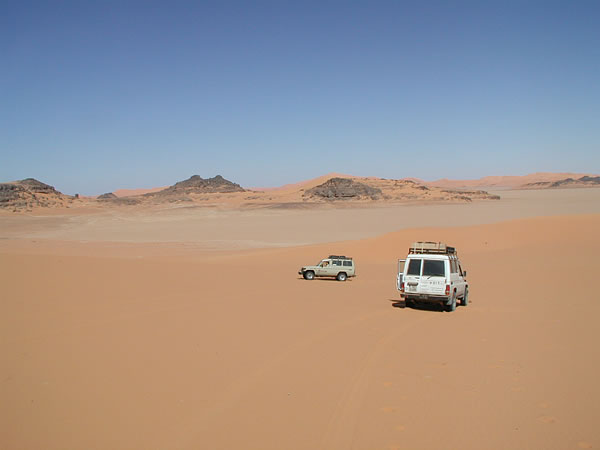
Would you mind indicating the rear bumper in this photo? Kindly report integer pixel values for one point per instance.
(427, 298)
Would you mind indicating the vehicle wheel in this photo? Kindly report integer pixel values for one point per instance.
(309, 275)
(341, 276)
(408, 303)
(452, 306)
(465, 300)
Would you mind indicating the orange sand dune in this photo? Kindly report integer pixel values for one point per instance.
(132, 192)
(165, 345)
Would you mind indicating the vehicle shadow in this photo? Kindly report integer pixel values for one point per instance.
(326, 279)
(397, 303)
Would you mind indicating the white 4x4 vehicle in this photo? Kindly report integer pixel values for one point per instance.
(340, 267)
(432, 273)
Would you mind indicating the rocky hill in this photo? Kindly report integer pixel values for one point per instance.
(187, 189)
(24, 195)
(585, 181)
(410, 190)
(343, 189)
(190, 190)
(197, 184)
(107, 196)
(375, 189)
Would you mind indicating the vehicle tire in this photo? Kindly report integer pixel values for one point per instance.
(452, 306)
(465, 300)
(408, 303)
(341, 276)
(309, 275)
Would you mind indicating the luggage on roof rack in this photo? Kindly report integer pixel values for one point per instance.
(432, 248)
(339, 257)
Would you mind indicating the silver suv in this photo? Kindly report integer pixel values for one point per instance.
(340, 267)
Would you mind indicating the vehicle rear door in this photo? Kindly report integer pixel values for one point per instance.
(433, 277)
(412, 275)
(400, 275)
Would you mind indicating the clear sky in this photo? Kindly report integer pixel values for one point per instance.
(101, 95)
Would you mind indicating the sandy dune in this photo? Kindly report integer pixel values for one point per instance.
(154, 344)
(132, 192)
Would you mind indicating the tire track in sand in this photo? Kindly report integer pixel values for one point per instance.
(203, 420)
(341, 427)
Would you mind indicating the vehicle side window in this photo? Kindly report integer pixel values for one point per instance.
(337, 262)
(414, 267)
(348, 263)
(434, 268)
(453, 266)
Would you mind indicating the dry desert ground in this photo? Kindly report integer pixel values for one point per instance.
(189, 328)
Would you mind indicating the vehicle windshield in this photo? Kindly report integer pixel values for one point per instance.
(433, 268)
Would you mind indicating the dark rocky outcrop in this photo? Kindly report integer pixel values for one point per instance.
(107, 196)
(30, 193)
(214, 184)
(591, 180)
(585, 181)
(343, 189)
(198, 185)
(469, 195)
(35, 186)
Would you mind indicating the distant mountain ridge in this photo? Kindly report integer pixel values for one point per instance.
(328, 189)
(504, 181)
(487, 182)
(585, 181)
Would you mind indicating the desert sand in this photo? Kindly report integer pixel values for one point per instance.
(204, 227)
(189, 328)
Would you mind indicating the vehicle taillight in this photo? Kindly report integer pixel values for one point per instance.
(447, 289)
(402, 287)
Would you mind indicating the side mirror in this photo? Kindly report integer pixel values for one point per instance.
(465, 273)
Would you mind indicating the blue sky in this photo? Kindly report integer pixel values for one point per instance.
(97, 96)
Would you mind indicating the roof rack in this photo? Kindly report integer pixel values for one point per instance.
(437, 248)
(339, 257)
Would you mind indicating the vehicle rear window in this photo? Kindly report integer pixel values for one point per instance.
(433, 268)
(348, 263)
(414, 267)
